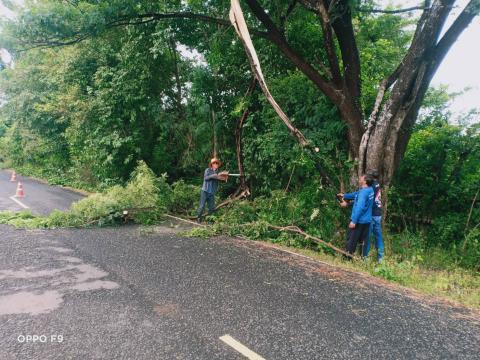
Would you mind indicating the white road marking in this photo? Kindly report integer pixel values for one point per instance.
(242, 349)
(19, 202)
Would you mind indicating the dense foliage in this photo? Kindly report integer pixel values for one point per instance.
(169, 94)
(437, 188)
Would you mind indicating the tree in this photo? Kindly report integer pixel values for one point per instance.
(382, 143)
(378, 140)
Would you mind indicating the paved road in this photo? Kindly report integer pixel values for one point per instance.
(135, 293)
(41, 199)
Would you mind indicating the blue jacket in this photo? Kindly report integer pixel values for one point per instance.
(362, 206)
(210, 181)
(377, 200)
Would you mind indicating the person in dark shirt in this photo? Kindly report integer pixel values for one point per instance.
(361, 217)
(211, 178)
(376, 224)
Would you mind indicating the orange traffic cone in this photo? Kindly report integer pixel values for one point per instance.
(20, 193)
(14, 176)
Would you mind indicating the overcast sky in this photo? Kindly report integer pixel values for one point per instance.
(459, 69)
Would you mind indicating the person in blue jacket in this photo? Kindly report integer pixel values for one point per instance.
(361, 217)
(211, 177)
(376, 224)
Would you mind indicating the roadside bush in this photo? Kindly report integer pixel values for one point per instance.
(407, 244)
(239, 212)
(438, 180)
(447, 230)
(184, 198)
(469, 252)
(140, 197)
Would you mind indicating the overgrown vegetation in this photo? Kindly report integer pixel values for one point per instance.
(140, 198)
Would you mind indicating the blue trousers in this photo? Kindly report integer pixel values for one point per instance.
(206, 199)
(376, 230)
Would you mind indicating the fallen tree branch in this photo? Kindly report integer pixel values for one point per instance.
(122, 214)
(244, 194)
(292, 229)
(238, 21)
(185, 220)
(290, 179)
(296, 230)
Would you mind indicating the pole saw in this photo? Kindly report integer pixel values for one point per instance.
(224, 175)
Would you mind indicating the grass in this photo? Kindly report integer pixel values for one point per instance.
(23, 219)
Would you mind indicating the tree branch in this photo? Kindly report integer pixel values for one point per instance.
(329, 43)
(343, 27)
(182, 15)
(238, 21)
(238, 137)
(278, 39)
(52, 43)
(296, 230)
(396, 11)
(461, 23)
(284, 18)
(139, 19)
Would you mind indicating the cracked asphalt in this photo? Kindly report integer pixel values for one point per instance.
(150, 293)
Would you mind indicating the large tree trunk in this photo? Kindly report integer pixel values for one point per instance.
(388, 132)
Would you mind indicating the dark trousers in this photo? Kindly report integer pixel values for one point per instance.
(206, 198)
(357, 235)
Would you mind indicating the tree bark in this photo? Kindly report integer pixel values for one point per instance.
(238, 142)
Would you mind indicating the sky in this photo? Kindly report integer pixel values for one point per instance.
(459, 69)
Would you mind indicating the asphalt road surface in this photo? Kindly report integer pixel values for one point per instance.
(150, 293)
(39, 198)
